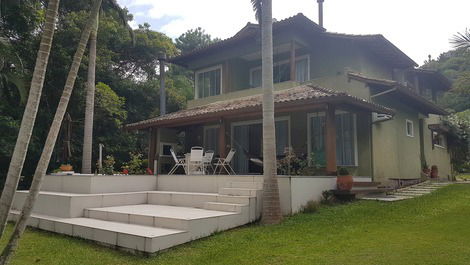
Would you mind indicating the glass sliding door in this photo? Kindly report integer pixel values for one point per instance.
(247, 139)
(211, 139)
(345, 138)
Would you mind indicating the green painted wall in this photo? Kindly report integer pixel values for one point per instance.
(395, 155)
(437, 155)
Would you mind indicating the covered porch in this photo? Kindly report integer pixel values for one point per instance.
(332, 127)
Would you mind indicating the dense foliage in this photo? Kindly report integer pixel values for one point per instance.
(455, 65)
(126, 73)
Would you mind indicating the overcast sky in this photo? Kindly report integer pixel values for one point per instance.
(417, 27)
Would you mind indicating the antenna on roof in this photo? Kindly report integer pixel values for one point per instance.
(320, 12)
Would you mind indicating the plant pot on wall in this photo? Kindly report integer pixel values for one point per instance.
(66, 167)
(344, 180)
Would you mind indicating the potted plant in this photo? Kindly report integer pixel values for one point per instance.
(344, 180)
(66, 167)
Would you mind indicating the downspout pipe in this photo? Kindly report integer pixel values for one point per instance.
(162, 60)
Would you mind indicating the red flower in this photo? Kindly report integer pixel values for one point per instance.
(149, 171)
(125, 171)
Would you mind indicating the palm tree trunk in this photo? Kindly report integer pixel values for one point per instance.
(90, 103)
(51, 139)
(29, 116)
(271, 213)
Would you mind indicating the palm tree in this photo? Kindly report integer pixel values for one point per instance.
(461, 40)
(51, 138)
(90, 87)
(29, 116)
(90, 103)
(271, 213)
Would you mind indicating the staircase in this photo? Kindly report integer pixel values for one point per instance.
(144, 221)
(409, 192)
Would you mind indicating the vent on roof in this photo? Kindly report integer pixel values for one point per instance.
(379, 117)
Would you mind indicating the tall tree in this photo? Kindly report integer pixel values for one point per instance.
(271, 213)
(194, 39)
(51, 138)
(29, 116)
(90, 86)
(90, 102)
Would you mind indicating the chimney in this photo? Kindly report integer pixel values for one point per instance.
(320, 12)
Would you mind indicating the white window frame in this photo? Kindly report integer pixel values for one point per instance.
(412, 128)
(322, 113)
(282, 118)
(298, 58)
(204, 134)
(173, 146)
(204, 70)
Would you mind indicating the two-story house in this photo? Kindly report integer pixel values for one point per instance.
(355, 101)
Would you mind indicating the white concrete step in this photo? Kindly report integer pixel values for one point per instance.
(128, 236)
(240, 192)
(199, 200)
(246, 185)
(67, 205)
(226, 207)
(198, 222)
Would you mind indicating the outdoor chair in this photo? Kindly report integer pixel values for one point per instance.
(179, 162)
(207, 160)
(196, 164)
(224, 163)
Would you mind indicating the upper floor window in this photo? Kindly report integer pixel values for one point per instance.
(281, 71)
(209, 82)
(409, 128)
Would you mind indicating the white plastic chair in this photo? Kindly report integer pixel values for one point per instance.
(196, 164)
(179, 162)
(224, 163)
(207, 160)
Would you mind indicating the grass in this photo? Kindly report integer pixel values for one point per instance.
(432, 229)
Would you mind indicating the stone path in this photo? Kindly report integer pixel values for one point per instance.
(407, 192)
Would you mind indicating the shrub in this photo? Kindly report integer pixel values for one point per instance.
(291, 164)
(328, 197)
(135, 165)
(343, 172)
(311, 207)
(108, 165)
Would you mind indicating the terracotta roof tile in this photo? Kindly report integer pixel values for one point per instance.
(299, 93)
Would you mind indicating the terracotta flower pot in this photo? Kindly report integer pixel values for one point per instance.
(434, 172)
(344, 182)
(66, 167)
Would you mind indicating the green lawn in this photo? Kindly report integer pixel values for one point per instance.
(432, 229)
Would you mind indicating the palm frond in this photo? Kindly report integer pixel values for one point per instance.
(461, 40)
(123, 16)
(257, 8)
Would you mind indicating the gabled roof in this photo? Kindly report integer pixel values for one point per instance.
(249, 31)
(377, 43)
(425, 105)
(304, 95)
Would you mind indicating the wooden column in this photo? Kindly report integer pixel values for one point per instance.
(222, 143)
(330, 140)
(292, 60)
(152, 147)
